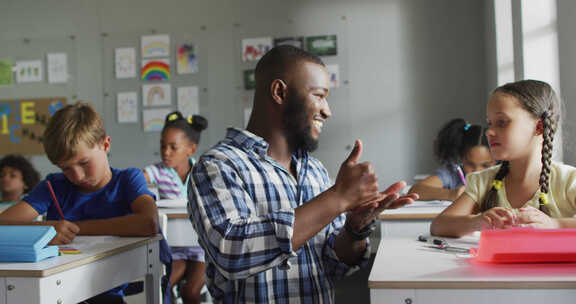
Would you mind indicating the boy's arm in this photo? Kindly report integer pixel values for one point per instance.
(24, 214)
(19, 214)
(142, 222)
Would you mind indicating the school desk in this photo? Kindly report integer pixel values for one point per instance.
(406, 271)
(104, 263)
(179, 231)
(410, 220)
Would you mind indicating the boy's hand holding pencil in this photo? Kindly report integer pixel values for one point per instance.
(65, 232)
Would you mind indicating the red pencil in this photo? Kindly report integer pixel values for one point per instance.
(55, 200)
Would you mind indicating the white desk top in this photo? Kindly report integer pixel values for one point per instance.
(93, 248)
(403, 263)
(417, 210)
(173, 213)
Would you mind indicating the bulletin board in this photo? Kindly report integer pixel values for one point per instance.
(23, 121)
(132, 136)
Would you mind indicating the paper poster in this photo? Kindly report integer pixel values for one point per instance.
(334, 72)
(293, 41)
(249, 80)
(127, 107)
(153, 119)
(57, 68)
(188, 100)
(322, 45)
(247, 113)
(156, 94)
(187, 59)
(254, 48)
(5, 72)
(155, 46)
(23, 121)
(29, 71)
(155, 69)
(125, 63)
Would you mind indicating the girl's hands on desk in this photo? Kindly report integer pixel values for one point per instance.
(533, 217)
(65, 232)
(498, 218)
(361, 216)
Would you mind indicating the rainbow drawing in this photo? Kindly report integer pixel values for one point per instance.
(153, 119)
(155, 46)
(154, 70)
(156, 94)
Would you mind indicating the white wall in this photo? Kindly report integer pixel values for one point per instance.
(410, 65)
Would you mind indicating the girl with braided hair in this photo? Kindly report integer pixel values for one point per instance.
(178, 143)
(527, 188)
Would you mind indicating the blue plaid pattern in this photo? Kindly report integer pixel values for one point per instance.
(242, 206)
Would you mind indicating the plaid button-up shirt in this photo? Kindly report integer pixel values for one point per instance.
(241, 203)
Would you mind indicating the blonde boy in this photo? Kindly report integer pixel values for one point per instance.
(95, 199)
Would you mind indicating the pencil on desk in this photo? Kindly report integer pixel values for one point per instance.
(55, 200)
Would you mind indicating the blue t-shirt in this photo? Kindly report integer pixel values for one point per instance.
(449, 177)
(112, 200)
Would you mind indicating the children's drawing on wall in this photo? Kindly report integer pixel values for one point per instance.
(22, 123)
(155, 46)
(29, 71)
(254, 48)
(249, 80)
(5, 72)
(187, 59)
(127, 107)
(322, 45)
(57, 67)
(156, 95)
(155, 69)
(293, 41)
(188, 101)
(334, 72)
(125, 63)
(153, 119)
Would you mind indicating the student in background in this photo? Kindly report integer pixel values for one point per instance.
(527, 188)
(17, 177)
(461, 148)
(180, 137)
(94, 198)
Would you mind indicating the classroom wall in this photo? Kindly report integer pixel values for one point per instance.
(567, 49)
(406, 66)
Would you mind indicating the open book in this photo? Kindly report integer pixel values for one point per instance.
(26, 243)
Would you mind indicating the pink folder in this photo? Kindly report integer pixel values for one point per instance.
(526, 245)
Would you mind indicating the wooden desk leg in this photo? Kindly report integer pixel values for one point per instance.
(153, 274)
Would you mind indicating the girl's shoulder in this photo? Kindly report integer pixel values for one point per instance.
(486, 174)
(563, 170)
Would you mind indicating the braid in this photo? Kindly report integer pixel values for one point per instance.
(549, 129)
(491, 199)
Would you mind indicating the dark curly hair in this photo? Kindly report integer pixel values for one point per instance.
(30, 176)
(455, 139)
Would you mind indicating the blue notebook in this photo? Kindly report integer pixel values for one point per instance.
(26, 243)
